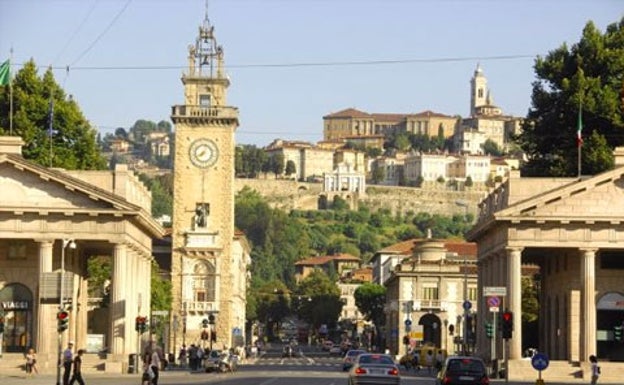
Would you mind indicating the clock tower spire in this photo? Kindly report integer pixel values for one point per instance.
(203, 265)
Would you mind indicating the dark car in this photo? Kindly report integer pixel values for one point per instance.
(463, 370)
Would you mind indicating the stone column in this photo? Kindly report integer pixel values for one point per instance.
(588, 303)
(514, 294)
(45, 313)
(117, 325)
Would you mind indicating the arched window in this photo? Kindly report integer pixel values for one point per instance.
(204, 282)
(17, 301)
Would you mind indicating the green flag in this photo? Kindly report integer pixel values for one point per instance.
(5, 73)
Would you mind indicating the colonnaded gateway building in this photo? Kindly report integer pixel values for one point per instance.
(573, 229)
(51, 222)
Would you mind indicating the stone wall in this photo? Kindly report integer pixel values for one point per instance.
(290, 194)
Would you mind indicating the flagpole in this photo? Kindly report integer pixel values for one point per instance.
(579, 160)
(579, 137)
(10, 94)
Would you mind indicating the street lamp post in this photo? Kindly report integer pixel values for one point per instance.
(72, 245)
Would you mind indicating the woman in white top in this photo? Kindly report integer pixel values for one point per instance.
(155, 364)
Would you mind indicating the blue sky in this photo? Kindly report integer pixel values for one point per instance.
(289, 101)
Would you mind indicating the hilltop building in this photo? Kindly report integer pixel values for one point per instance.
(486, 120)
(351, 124)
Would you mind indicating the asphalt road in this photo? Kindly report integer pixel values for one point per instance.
(309, 368)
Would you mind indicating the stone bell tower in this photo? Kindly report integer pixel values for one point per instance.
(203, 209)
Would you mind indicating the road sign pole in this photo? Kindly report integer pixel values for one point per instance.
(493, 345)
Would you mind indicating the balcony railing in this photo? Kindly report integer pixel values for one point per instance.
(185, 111)
(200, 307)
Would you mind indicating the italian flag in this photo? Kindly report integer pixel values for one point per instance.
(579, 138)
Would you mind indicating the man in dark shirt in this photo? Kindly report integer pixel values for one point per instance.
(78, 369)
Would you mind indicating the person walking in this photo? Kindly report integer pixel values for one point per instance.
(429, 361)
(595, 369)
(68, 358)
(155, 362)
(31, 362)
(182, 357)
(77, 375)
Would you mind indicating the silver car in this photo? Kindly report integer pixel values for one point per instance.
(377, 369)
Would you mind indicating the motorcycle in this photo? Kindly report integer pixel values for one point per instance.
(227, 363)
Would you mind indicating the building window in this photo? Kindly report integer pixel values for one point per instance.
(430, 293)
(204, 282)
(204, 101)
(472, 293)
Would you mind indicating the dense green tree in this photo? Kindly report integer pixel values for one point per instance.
(378, 174)
(290, 168)
(99, 277)
(277, 164)
(161, 296)
(161, 188)
(272, 300)
(370, 299)
(322, 304)
(55, 132)
(490, 147)
(586, 77)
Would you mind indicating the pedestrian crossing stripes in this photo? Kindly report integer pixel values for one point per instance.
(304, 361)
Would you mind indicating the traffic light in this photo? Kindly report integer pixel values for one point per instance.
(211, 319)
(140, 324)
(1, 324)
(489, 330)
(617, 333)
(205, 323)
(62, 318)
(507, 324)
(213, 336)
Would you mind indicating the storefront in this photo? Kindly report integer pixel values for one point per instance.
(17, 304)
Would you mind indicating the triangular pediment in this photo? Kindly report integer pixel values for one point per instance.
(27, 187)
(597, 198)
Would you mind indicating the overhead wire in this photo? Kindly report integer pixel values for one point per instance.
(108, 27)
(311, 64)
(76, 31)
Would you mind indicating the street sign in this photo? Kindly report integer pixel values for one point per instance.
(493, 301)
(467, 305)
(539, 361)
(160, 312)
(499, 291)
(494, 309)
(408, 322)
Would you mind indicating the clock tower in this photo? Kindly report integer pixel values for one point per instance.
(203, 269)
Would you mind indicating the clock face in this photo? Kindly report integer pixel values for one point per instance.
(203, 153)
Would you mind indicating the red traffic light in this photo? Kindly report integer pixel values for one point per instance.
(507, 316)
(62, 315)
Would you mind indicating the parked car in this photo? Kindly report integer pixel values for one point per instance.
(463, 370)
(335, 351)
(211, 361)
(349, 358)
(378, 369)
